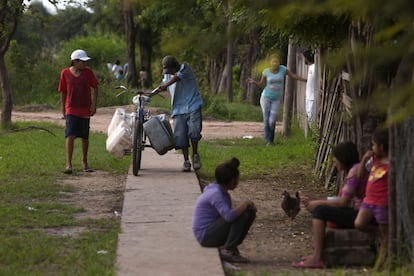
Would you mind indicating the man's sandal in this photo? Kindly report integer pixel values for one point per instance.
(68, 170)
(87, 169)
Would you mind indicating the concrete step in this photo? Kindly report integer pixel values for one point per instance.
(349, 247)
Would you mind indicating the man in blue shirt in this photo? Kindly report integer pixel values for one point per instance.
(186, 103)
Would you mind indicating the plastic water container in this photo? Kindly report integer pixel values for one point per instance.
(119, 141)
(332, 198)
(117, 118)
(159, 132)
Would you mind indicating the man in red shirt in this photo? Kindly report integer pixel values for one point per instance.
(78, 104)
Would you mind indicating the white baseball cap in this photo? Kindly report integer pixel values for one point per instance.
(79, 54)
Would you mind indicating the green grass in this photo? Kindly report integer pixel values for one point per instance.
(31, 164)
(257, 160)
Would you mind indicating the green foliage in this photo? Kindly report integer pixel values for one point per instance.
(35, 80)
(34, 65)
(54, 28)
(27, 77)
(101, 48)
(31, 164)
(309, 25)
(216, 106)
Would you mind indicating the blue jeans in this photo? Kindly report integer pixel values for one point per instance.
(270, 110)
(187, 127)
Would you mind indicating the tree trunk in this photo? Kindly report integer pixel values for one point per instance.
(223, 78)
(290, 86)
(145, 47)
(130, 33)
(251, 91)
(401, 194)
(400, 188)
(7, 107)
(9, 17)
(230, 53)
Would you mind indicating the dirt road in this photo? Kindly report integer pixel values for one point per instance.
(99, 122)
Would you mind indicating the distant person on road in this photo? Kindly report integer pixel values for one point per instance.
(116, 68)
(186, 104)
(121, 76)
(78, 104)
(310, 87)
(143, 77)
(273, 84)
(216, 223)
(126, 71)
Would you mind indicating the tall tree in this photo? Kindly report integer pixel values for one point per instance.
(131, 34)
(401, 191)
(230, 52)
(10, 14)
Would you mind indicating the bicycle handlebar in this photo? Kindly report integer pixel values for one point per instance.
(150, 94)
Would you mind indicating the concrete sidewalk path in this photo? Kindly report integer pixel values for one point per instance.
(156, 238)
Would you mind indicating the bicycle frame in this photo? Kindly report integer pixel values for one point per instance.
(141, 116)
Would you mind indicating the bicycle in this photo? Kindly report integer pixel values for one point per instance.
(141, 115)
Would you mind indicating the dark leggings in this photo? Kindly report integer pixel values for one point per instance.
(229, 234)
(342, 216)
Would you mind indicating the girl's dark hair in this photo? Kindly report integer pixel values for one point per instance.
(380, 137)
(227, 171)
(309, 56)
(347, 154)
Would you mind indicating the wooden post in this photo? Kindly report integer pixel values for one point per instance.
(289, 89)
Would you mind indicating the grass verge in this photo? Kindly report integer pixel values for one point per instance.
(31, 165)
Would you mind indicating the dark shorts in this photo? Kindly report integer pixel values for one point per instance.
(342, 217)
(77, 127)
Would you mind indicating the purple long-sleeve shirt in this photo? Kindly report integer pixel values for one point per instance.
(213, 203)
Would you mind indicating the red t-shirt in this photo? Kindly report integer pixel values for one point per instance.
(377, 186)
(78, 91)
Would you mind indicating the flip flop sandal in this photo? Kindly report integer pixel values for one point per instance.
(304, 258)
(87, 169)
(302, 264)
(68, 170)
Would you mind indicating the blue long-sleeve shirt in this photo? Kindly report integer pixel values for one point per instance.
(212, 204)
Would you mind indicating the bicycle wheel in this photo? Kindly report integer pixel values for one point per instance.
(137, 147)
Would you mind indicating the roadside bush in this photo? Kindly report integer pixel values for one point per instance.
(34, 75)
(216, 106)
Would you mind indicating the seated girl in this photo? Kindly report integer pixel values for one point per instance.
(215, 222)
(340, 211)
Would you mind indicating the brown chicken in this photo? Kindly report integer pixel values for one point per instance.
(290, 205)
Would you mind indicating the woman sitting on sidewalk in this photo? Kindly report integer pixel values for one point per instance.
(337, 211)
(215, 222)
